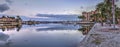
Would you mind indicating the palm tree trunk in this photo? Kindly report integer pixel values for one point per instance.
(109, 18)
(101, 21)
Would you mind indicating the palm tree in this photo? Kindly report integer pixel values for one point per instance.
(105, 11)
(95, 17)
(117, 14)
(101, 9)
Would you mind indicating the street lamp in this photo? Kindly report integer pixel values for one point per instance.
(113, 13)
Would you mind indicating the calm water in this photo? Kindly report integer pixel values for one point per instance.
(42, 35)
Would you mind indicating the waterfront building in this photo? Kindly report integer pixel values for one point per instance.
(88, 14)
(9, 20)
(7, 23)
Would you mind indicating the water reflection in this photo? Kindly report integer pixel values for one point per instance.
(7, 27)
(4, 40)
(3, 37)
(17, 33)
(43, 35)
(85, 29)
(46, 27)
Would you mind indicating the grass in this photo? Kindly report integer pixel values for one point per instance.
(97, 41)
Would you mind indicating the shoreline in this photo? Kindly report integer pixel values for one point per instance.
(86, 37)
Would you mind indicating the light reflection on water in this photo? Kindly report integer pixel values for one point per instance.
(45, 39)
(44, 35)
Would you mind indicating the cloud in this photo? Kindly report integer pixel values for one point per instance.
(4, 7)
(9, 1)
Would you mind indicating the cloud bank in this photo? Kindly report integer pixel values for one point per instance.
(9, 1)
(4, 7)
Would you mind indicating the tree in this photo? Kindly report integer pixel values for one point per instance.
(101, 9)
(117, 14)
(95, 17)
(3, 16)
(105, 10)
(18, 17)
(81, 17)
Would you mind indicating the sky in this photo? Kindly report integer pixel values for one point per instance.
(33, 7)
